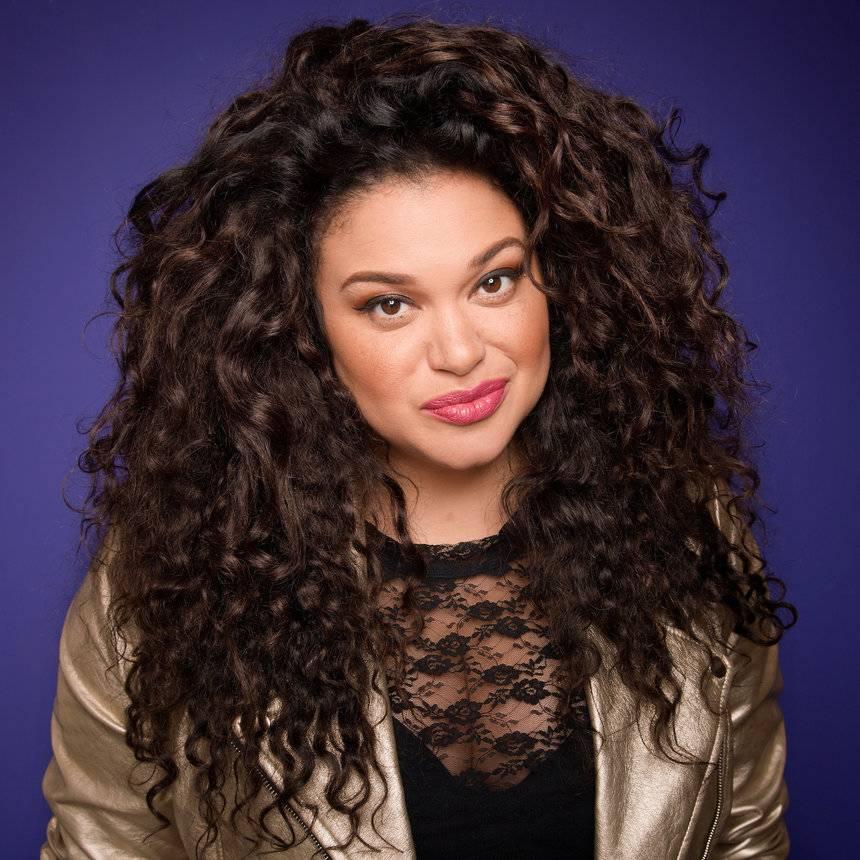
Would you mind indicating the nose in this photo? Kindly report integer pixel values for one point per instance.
(455, 344)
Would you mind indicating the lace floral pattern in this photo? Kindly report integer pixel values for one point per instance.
(485, 687)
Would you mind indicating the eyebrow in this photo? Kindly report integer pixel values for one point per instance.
(396, 279)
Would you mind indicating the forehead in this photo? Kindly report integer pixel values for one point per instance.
(447, 215)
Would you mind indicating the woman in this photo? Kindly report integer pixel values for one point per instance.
(424, 514)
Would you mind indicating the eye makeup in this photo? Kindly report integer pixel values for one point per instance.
(513, 273)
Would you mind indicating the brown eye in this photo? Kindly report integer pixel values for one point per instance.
(494, 280)
(493, 283)
(387, 304)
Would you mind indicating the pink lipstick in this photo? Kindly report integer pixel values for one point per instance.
(470, 405)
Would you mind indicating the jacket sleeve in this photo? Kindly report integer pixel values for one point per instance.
(96, 811)
(755, 826)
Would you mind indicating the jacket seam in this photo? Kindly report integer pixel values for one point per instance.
(719, 738)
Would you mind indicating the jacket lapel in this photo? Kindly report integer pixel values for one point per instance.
(331, 827)
(645, 805)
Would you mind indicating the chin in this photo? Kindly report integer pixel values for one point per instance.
(471, 455)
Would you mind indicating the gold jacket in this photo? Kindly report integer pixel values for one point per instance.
(646, 807)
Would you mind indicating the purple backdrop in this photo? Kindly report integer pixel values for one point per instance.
(99, 97)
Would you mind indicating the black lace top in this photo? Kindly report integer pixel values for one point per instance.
(492, 765)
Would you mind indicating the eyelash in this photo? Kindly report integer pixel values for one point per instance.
(367, 308)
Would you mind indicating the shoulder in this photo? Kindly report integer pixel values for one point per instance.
(91, 651)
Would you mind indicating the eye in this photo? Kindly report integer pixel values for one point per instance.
(384, 302)
(495, 282)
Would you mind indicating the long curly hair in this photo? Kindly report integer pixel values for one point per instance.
(235, 470)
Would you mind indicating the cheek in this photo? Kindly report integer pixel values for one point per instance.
(370, 369)
(377, 375)
(531, 344)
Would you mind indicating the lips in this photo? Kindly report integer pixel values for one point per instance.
(466, 395)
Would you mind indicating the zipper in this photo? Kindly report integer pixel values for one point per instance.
(720, 767)
(274, 792)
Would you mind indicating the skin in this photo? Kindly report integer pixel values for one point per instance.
(453, 327)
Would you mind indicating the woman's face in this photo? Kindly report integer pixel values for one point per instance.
(443, 257)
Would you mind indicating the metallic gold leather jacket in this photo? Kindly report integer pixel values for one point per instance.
(646, 806)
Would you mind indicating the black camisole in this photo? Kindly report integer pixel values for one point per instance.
(493, 765)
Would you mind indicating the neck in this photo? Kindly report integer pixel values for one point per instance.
(445, 507)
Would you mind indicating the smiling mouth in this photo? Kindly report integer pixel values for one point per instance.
(473, 410)
(468, 395)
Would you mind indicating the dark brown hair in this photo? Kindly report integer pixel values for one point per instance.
(234, 467)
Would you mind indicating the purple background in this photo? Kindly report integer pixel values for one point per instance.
(99, 97)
